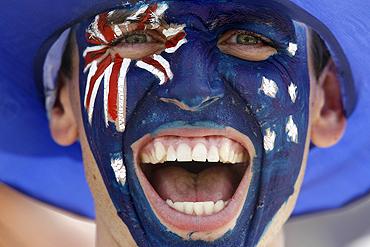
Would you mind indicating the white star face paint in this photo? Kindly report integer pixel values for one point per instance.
(291, 130)
(119, 170)
(292, 49)
(269, 87)
(292, 89)
(269, 140)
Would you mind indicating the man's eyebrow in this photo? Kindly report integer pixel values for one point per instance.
(267, 17)
(218, 17)
(119, 16)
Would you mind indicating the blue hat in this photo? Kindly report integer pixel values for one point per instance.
(32, 163)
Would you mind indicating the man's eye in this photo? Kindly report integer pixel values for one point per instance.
(246, 45)
(246, 39)
(138, 38)
(137, 45)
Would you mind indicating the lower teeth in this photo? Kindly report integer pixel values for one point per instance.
(198, 208)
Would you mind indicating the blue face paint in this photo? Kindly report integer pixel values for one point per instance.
(268, 101)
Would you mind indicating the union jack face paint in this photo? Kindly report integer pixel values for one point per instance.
(104, 63)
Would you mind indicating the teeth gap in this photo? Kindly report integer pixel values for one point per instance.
(198, 208)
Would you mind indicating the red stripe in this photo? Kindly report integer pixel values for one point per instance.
(93, 39)
(146, 15)
(175, 40)
(113, 88)
(93, 55)
(105, 28)
(156, 64)
(100, 70)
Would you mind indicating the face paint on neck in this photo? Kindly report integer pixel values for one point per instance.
(237, 91)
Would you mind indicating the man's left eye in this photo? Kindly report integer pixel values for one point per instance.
(246, 45)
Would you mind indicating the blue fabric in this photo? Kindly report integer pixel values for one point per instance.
(32, 163)
(341, 174)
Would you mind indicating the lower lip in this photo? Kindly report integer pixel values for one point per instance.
(178, 221)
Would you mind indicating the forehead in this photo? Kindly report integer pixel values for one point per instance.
(214, 14)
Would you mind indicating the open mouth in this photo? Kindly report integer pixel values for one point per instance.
(196, 180)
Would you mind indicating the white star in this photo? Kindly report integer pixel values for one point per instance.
(269, 140)
(291, 130)
(269, 87)
(292, 92)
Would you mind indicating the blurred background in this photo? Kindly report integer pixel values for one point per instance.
(347, 227)
(22, 219)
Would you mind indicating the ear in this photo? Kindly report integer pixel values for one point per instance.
(62, 123)
(328, 119)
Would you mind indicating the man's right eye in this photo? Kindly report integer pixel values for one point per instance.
(139, 44)
(137, 38)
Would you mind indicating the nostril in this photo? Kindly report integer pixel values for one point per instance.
(192, 107)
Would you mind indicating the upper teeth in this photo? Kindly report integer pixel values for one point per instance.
(198, 208)
(211, 149)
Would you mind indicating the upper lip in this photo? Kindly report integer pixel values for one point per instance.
(180, 223)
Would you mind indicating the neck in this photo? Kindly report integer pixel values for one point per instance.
(278, 241)
(111, 231)
(103, 235)
(105, 238)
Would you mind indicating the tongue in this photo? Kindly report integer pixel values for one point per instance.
(179, 185)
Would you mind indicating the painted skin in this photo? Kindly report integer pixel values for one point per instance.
(212, 90)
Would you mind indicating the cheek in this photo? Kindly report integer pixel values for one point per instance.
(139, 84)
(269, 89)
(276, 93)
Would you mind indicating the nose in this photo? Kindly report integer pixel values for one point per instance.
(196, 82)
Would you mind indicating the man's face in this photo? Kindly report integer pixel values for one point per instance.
(197, 117)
